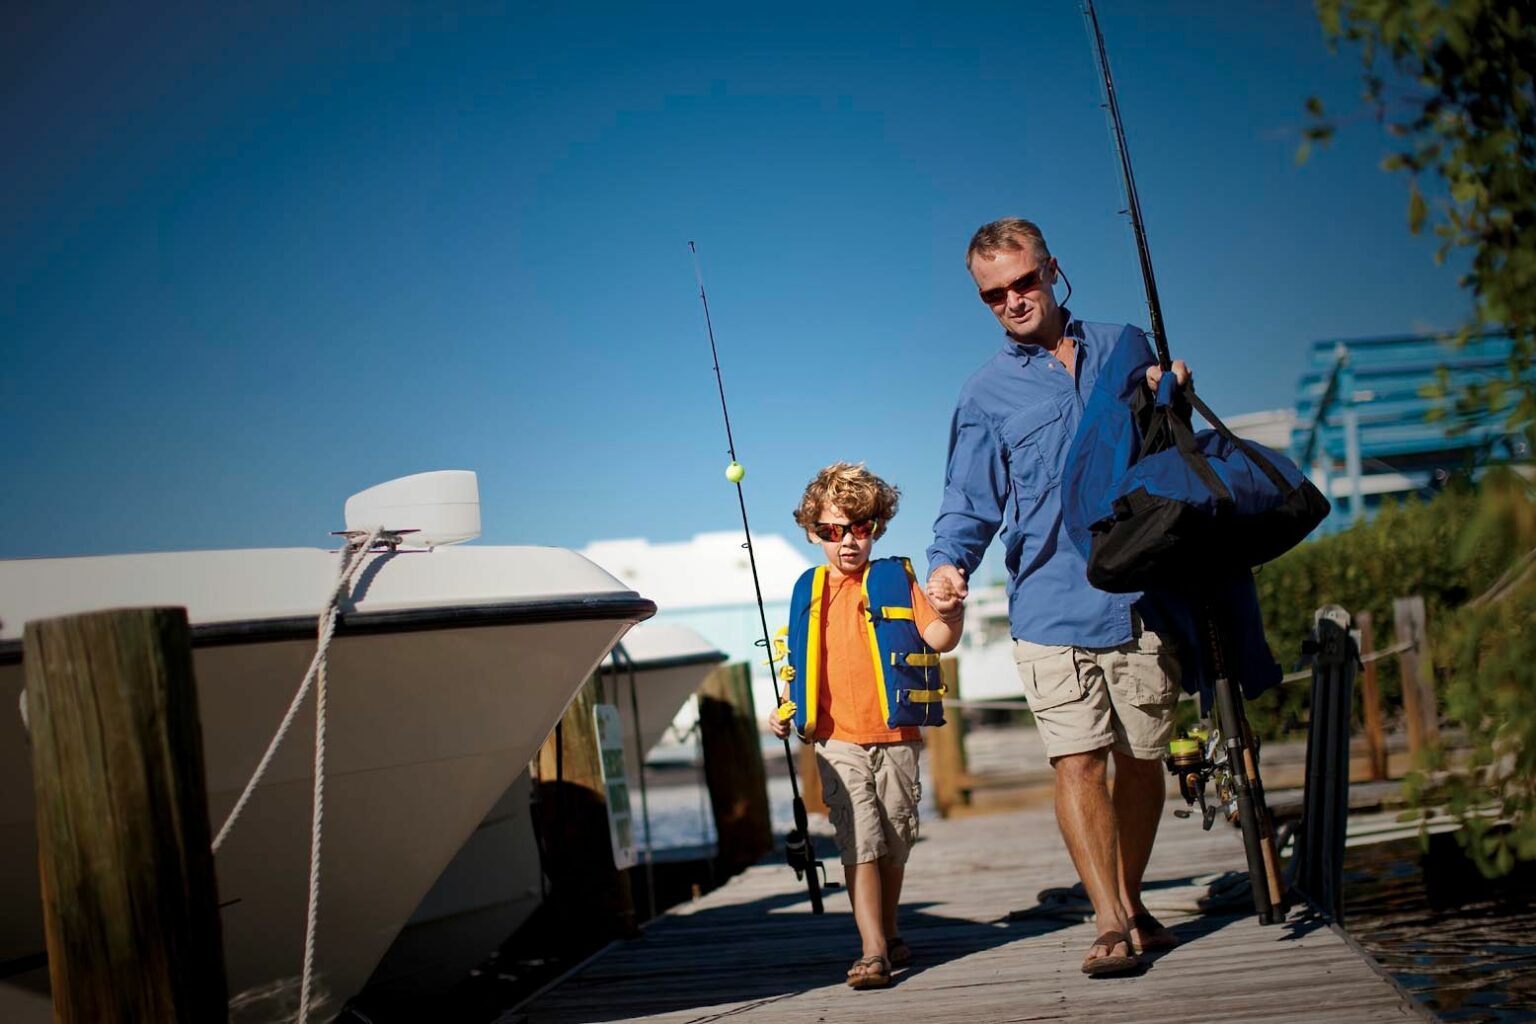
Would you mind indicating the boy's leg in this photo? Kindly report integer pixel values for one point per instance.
(891, 877)
(848, 788)
(866, 893)
(898, 785)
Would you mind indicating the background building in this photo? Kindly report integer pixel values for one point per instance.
(1368, 424)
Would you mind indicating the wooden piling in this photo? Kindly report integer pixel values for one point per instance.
(1419, 707)
(590, 898)
(733, 767)
(130, 904)
(1370, 701)
(946, 747)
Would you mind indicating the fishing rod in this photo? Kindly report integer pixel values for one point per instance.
(1230, 756)
(798, 849)
(1132, 203)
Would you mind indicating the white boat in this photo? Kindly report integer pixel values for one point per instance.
(448, 669)
(493, 883)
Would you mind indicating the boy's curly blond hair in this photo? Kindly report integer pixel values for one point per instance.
(852, 488)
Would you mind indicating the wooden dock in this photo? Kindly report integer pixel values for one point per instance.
(752, 952)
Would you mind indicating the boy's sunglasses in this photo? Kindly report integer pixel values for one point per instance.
(833, 532)
(1028, 283)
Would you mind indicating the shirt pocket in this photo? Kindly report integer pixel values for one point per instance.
(1036, 440)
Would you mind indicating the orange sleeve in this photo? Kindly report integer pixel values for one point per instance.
(922, 612)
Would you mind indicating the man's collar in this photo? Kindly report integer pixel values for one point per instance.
(1026, 350)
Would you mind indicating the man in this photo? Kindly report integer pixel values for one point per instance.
(1096, 681)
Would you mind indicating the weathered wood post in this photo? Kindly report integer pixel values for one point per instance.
(1418, 671)
(130, 905)
(1370, 701)
(946, 747)
(733, 767)
(591, 898)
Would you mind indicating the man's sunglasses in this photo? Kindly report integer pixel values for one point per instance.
(1028, 283)
(833, 532)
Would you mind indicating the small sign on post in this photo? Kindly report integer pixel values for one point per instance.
(610, 748)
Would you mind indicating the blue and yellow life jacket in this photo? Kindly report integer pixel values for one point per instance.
(906, 668)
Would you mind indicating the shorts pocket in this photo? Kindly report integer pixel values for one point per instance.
(1051, 681)
(1149, 681)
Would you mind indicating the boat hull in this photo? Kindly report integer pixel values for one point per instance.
(493, 884)
(431, 715)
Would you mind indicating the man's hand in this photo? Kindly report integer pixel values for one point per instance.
(1180, 372)
(947, 591)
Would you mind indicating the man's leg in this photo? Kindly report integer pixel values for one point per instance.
(1139, 792)
(1086, 816)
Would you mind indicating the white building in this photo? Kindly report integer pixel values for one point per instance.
(706, 583)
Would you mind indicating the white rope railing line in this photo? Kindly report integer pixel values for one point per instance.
(354, 554)
(327, 626)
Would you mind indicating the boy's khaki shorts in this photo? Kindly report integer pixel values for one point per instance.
(1089, 698)
(871, 791)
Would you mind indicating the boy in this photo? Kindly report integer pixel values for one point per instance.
(863, 674)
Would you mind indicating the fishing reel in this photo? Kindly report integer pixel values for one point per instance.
(801, 854)
(797, 850)
(1197, 761)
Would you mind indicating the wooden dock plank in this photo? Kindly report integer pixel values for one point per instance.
(752, 951)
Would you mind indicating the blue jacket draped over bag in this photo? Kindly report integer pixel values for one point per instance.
(1110, 469)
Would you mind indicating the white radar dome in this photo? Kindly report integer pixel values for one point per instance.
(437, 508)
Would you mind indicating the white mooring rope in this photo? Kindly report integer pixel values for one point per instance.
(353, 555)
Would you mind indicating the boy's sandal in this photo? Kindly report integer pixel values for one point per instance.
(1111, 964)
(1155, 937)
(897, 949)
(869, 972)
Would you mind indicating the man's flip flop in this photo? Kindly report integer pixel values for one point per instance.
(1111, 964)
(870, 972)
(1158, 938)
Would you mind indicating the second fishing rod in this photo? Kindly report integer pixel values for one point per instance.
(1238, 751)
(799, 848)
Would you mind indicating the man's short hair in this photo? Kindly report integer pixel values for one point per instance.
(1011, 234)
(852, 488)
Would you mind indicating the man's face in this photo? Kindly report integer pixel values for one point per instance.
(1016, 286)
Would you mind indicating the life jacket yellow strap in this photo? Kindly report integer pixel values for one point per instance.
(897, 613)
(925, 696)
(923, 660)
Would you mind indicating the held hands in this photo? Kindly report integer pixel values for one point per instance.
(1180, 372)
(947, 591)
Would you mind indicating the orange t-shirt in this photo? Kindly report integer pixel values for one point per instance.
(848, 702)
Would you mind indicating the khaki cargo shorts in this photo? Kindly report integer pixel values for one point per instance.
(871, 791)
(1088, 698)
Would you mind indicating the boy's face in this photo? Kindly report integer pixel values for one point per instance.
(848, 555)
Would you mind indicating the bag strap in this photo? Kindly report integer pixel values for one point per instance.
(1275, 476)
(1184, 438)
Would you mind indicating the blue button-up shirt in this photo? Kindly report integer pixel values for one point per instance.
(1008, 444)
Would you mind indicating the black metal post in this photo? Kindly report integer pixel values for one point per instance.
(1325, 802)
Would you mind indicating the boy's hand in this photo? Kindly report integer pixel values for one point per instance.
(947, 591)
(778, 722)
(1180, 371)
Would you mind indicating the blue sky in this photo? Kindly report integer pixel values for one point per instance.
(254, 259)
